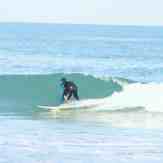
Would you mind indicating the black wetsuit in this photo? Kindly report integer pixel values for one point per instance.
(70, 89)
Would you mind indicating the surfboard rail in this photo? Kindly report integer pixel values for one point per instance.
(71, 105)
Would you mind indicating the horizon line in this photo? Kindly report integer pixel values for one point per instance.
(69, 23)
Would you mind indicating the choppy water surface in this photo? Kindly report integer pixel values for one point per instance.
(117, 67)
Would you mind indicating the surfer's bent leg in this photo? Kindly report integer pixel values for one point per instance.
(69, 95)
(75, 94)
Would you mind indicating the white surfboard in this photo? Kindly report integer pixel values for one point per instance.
(71, 105)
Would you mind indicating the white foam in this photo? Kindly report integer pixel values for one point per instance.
(148, 96)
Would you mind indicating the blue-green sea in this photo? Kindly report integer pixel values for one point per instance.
(120, 68)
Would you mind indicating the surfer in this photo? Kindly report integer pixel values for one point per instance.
(70, 89)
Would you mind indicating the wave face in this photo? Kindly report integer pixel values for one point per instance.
(22, 93)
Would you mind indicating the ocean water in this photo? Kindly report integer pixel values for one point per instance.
(117, 67)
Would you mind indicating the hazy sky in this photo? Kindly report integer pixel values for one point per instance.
(124, 12)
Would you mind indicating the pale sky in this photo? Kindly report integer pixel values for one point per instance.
(115, 12)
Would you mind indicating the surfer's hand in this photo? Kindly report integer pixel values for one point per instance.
(65, 99)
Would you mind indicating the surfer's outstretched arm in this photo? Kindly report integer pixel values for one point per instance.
(64, 94)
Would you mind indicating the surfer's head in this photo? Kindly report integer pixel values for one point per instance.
(63, 80)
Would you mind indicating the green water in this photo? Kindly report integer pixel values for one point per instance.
(22, 93)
